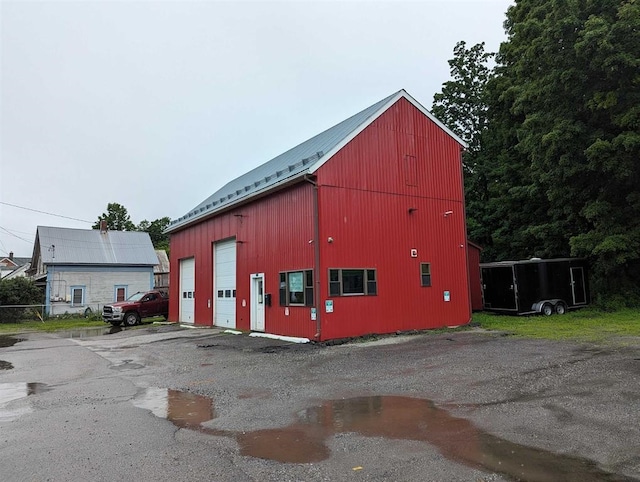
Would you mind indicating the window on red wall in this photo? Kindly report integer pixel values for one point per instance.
(349, 282)
(296, 288)
(425, 274)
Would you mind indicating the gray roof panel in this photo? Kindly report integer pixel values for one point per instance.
(294, 162)
(303, 159)
(92, 247)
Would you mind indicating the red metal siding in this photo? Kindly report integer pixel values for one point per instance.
(366, 192)
(272, 235)
(396, 187)
(475, 285)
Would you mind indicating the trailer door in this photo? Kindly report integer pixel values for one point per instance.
(499, 288)
(578, 287)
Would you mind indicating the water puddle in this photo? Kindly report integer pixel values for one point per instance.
(15, 391)
(81, 333)
(183, 409)
(7, 341)
(391, 417)
(5, 365)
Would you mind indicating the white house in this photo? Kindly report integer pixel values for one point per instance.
(83, 269)
(13, 267)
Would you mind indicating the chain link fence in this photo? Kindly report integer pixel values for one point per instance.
(19, 313)
(23, 313)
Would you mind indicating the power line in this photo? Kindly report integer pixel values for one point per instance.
(44, 212)
(15, 235)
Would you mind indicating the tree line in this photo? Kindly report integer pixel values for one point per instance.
(553, 126)
(118, 219)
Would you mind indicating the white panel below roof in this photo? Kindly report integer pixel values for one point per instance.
(224, 272)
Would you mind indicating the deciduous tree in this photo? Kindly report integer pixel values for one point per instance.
(117, 218)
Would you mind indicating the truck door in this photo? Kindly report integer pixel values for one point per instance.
(149, 305)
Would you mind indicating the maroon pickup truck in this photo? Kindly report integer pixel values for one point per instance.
(137, 306)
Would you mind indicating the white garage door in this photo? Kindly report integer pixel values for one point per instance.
(224, 283)
(187, 289)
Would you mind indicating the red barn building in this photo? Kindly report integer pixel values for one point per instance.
(360, 229)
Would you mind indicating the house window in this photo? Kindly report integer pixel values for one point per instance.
(121, 293)
(349, 282)
(425, 274)
(296, 288)
(77, 296)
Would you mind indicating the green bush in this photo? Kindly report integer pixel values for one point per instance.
(17, 291)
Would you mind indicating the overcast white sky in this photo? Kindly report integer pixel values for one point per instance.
(155, 105)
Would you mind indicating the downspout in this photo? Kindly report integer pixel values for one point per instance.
(316, 249)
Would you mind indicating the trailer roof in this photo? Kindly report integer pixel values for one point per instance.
(496, 264)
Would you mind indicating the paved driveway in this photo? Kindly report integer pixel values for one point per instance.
(166, 404)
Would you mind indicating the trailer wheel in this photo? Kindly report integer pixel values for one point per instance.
(547, 309)
(561, 308)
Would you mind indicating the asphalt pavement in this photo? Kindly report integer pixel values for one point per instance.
(168, 403)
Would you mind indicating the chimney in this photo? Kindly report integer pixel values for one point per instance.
(103, 225)
(11, 255)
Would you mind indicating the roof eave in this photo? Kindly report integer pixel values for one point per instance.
(286, 182)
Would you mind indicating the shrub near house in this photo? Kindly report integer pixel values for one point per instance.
(14, 294)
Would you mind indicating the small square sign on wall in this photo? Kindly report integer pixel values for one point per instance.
(328, 306)
(447, 296)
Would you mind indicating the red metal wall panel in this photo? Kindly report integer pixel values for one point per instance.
(366, 192)
(272, 235)
(396, 187)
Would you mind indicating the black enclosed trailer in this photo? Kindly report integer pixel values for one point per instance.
(535, 285)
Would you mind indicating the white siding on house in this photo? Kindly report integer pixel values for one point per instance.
(99, 287)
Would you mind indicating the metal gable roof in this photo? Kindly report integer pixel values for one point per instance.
(303, 159)
(92, 247)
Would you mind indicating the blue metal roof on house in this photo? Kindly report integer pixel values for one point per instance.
(303, 159)
(92, 247)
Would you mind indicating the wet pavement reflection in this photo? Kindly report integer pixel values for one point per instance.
(81, 333)
(7, 341)
(15, 391)
(5, 365)
(390, 417)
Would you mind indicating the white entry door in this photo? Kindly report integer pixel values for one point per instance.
(224, 283)
(187, 290)
(257, 302)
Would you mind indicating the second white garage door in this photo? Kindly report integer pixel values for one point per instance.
(224, 283)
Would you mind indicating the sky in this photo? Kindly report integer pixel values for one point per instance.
(155, 105)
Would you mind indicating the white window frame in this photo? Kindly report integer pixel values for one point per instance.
(82, 289)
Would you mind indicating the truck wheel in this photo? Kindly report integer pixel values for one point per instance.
(547, 309)
(561, 308)
(131, 318)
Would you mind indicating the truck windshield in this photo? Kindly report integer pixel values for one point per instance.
(135, 297)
